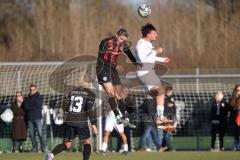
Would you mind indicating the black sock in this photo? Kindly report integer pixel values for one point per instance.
(113, 105)
(58, 149)
(86, 151)
(122, 106)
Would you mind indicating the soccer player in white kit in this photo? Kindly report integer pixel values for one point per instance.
(110, 124)
(148, 56)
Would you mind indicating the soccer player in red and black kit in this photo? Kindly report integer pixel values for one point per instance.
(78, 107)
(107, 74)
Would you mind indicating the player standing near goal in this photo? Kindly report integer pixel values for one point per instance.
(78, 108)
(107, 74)
(147, 55)
(111, 124)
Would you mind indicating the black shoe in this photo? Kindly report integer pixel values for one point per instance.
(20, 149)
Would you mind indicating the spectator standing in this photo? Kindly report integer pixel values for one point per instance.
(127, 129)
(19, 131)
(169, 113)
(218, 120)
(234, 119)
(150, 128)
(237, 124)
(33, 109)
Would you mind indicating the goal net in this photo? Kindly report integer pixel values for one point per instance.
(193, 95)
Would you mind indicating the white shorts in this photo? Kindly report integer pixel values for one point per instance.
(148, 78)
(111, 123)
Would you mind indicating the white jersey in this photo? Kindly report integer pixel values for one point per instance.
(146, 54)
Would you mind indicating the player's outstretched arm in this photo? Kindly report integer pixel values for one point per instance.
(128, 52)
(161, 59)
(133, 59)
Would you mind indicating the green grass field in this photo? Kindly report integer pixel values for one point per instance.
(179, 143)
(130, 156)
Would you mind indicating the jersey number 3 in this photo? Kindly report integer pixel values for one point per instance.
(76, 105)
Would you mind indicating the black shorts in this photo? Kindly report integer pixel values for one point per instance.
(71, 132)
(107, 74)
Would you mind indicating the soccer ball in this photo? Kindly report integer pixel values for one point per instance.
(144, 10)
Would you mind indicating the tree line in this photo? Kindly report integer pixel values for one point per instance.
(200, 33)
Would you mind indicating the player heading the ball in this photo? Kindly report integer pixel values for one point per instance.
(107, 71)
(148, 56)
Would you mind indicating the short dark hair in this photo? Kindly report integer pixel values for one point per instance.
(147, 28)
(122, 32)
(32, 85)
(19, 92)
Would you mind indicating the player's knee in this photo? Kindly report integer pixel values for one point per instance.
(161, 91)
(87, 141)
(122, 134)
(106, 134)
(154, 93)
(68, 144)
(157, 91)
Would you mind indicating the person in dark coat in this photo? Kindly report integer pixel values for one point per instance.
(219, 114)
(237, 123)
(33, 109)
(234, 119)
(19, 131)
(170, 112)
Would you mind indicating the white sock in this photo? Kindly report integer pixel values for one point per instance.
(104, 146)
(125, 147)
(160, 110)
(51, 154)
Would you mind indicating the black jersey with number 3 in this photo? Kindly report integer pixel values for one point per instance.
(80, 107)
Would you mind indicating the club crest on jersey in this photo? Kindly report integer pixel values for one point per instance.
(170, 104)
(105, 78)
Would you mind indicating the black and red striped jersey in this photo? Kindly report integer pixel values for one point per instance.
(109, 51)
